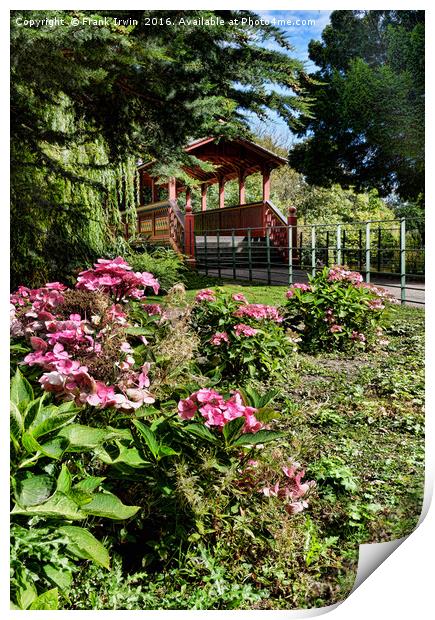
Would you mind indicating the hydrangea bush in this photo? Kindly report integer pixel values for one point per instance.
(80, 338)
(239, 339)
(336, 310)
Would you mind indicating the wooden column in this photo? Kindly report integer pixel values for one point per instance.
(189, 239)
(242, 196)
(204, 197)
(188, 201)
(172, 189)
(221, 193)
(266, 184)
(154, 192)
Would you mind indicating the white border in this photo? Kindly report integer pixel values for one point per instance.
(403, 585)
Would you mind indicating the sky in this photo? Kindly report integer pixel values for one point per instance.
(299, 36)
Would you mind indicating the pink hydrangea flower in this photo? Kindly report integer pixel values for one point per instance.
(244, 330)
(259, 312)
(205, 295)
(218, 338)
(336, 328)
(298, 286)
(239, 297)
(376, 304)
(115, 277)
(217, 411)
(187, 409)
(337, 274)
(61, 346)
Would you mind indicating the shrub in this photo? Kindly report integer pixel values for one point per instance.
(167, 265)
(239, 339)
(336, 311)
(82, 338)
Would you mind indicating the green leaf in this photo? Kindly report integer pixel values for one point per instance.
(252, 439)
(232, 429)
(89, 484)
(166, 451)
(52, 418)
(29, 443)
(54, 448)
(34, 490)
(139, 331)
(81, 437)
(109, 506)
(84, 545)
(64, 480)
(266, 414)
(200, 430)
(60, 578)
(58, 506)
(46, 600)
(124, 455)
(21, 391)
(26, 591)
(149, 437)
(16, 424)
(33, 409)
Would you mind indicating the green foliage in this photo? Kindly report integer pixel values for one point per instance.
(48, 493)
(334, 312)
(165, 264)
(89, 98)
(333, 475)
(240, 356)
(367, 129)
(96, 589)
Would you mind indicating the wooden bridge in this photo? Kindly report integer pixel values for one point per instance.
(165, 214)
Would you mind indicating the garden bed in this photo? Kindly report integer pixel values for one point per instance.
(205, 524)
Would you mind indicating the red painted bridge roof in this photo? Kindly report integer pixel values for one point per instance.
(230, 159)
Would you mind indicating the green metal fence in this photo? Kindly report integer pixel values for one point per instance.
(388, 253)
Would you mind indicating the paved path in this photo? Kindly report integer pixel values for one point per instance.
(279, 276)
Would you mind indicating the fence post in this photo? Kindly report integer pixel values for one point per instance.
(327, 248)
(402, 260)
(313, 251)
(338, 244)
(218, 252)
(379, 249)
(360, 249)
(205, 253)
(233, 249)
(268, 255)
(292, 221)
(300, 250)
(290, 253)
(249, 255)
(368, 235)
(343, 250)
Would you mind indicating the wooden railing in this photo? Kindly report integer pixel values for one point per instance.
(238, 219)
(276, 224)
(153, 221)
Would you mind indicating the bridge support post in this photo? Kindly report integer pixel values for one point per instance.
(203, 197)
(189, 233)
